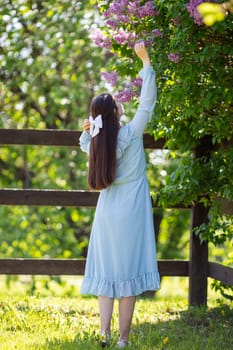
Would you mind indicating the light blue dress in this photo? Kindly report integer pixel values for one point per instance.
(121, 258)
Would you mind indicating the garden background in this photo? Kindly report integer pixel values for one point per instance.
(54, 56)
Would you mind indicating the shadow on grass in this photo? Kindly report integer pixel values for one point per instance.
(194, 329)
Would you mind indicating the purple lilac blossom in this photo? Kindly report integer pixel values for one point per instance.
(131, 38)
(148, 42)
(120, 37)
(147, 10)
(107, 13)
(117, 8)
(100, 39)
(123, 19)
(124, 9)
(124, 95)
(174, 57)
(136, 82)
(145, 36)
(133, 8)
(127, 85)
(112, 23)
(157, 33)
(110, 77)
(131, 43)
(192, 9)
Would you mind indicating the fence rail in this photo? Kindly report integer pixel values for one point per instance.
(220, 273)
(68, 267)
(57, 138)
(76, 267)
(69, 198)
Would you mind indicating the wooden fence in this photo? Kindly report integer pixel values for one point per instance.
(198, 268)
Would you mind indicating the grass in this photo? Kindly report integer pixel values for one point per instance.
(52, 321)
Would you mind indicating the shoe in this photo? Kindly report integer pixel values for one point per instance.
(104, 339)
(121, 344)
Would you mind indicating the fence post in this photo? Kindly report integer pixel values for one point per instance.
(198, 264)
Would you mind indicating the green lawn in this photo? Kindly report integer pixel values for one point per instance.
(50, 320)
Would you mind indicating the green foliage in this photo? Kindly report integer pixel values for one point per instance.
(48, 73)
(48, 67)
(174, 235)
(43, 232)
(217, 230)
(225, 290)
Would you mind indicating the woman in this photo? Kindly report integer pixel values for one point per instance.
(121, 261)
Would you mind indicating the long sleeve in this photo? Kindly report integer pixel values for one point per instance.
(84, 141)
(147, 100)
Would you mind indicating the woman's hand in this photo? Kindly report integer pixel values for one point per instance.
(86, 125)
(142, 53)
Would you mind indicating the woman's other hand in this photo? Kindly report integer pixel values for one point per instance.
(86, 125)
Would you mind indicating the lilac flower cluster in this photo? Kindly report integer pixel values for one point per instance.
(129, 91)
(120, 13)
(110, 77)
(157, 33)
(124, 95)
(123, 17)
(173, 57)
(192, 9)
(112, 23)
(100, 39)
(147, 10)
(122, 37)
(122, 10)
(136, 82)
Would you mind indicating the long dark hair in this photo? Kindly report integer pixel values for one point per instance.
(102, 156)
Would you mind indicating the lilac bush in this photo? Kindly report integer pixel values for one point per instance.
(184, 54)
(121, 18)
(128, 21)
(193, 66)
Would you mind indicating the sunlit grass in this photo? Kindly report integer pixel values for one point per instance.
(52, 320)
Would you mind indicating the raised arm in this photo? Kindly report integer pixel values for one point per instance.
(148, 91)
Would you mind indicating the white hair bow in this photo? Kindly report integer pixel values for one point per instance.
(95, 125)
